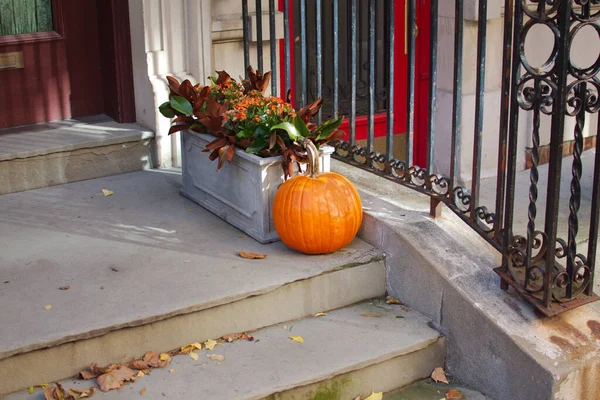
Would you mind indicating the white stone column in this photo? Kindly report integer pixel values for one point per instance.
(169, 37)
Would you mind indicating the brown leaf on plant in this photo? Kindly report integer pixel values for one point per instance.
(438, 375)
(223, 79)
(238, 336)
(454, 394)
(258, 81)
(174, 85)
(187, 91)
(251, 256)
(371, 315)
(115, 378)
(308, 112)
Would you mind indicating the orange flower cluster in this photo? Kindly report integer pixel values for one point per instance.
(257, 106)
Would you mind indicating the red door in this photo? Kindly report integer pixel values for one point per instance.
(61, 73)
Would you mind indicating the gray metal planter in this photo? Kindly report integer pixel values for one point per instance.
(242, 192)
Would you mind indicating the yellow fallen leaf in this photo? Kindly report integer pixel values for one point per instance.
(107, 192)
(210, 344)
(321, 314)
(172, 370)
(191, 347)
(393, 300)
(216, 357)
(194, 356)
(438, 375)
(143, 391)
(454, 394)
(251, 256)
(191, 209)
(44, 385)
(31, 389)
(375, 396)
(48, 307)
(370, 315)
(141, 374)
(297, 339)
(165, 357)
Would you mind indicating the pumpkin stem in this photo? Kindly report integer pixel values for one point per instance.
(314, 168)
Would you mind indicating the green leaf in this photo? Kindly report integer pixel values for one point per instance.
(290, 128)
(328, 127)
(181, 105)
(257, 145)
(166, 110)
(301, 127)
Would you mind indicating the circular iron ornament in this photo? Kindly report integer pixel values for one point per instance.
(485, 219)
(590, 101)
(461, 199)
(583, 72)
(546, 68)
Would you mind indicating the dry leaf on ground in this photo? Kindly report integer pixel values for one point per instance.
(107, 192)
(67, 287)
(48, 307)
(143, 391)
(150, 360)
(285, 328)
(81, 394)
(140, 374)
(357, 398)
(370, 315)
(114, 378)
(172, 370)
(298, 339)
(251, 256)
(375, 396)
(404, 308)
(194, 356)
(31, 389)
(453, 394)
(238, 336)
(320, 314)
(216, 357)
(165, 357)
(438, 375)
(210, 344)
(59, 393)
(393, 300)
(191, 347)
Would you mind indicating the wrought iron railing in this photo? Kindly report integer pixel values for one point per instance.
(547, 270)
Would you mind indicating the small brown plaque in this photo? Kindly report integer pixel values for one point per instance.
(11, 61)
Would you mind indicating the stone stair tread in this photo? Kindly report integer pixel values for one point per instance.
(340, 342)
(141, 255)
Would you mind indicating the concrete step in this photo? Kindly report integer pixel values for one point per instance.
(146, 269)
(60, 152)
(427, 389)
(344, 355)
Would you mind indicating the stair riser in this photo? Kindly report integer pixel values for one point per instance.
(41, 171)
(295, 300)
(383, 377)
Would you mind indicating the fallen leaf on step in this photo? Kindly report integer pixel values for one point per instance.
(114, 378)
(48, 307)
(67, 287)
(298, 339)
(31, 389)
(238, 336)
(393, 300)
(370, 315)
(140, 374)
(44, 385)
(77, 394)
(194, 356)
(251, 256)
(244, 237)
(285, 328)
(172, 370)
(54, 393)
(438, 375)
(453, 394)
(210, 344)
(150, 360)
(143, 391)
(191, 209)
(357, 398)
(321, 314)
(107, 192)
(404, 308)
(216, 357)
(191, 347)
(165, 357)
(375, 396)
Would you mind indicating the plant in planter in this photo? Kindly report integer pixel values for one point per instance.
(238, 114)
(262, 137)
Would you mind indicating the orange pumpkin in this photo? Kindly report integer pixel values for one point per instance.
(317, 213)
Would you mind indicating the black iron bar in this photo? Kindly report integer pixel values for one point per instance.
(286, 47)
(303, 55)
(353, 67)
(319, 24)
(273, 48)
(245, 31)
(561, 69)
(503, 128)
(371, 114)
(259, 41)
(410, 101)
(336, 59)
(457, 94)
(389, 135)
(479, 107)
(432, 85)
